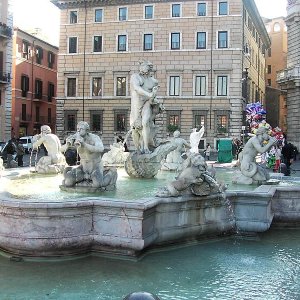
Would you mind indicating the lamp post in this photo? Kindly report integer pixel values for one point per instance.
(245, 96)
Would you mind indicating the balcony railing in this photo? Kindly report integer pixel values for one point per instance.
(4, 77)
(289, 74)
(25, 118)
(5, 31)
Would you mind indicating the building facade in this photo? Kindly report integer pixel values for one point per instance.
(208, 58)
(34, 84)
(276, 59)
(289, 78)
(5, 69)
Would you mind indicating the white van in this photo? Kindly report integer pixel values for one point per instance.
(26, 141)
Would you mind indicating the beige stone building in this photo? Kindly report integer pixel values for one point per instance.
(276, 59)
(208, 58)
(289, 78)
(5, 69)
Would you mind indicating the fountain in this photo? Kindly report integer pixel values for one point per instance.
(88, 214)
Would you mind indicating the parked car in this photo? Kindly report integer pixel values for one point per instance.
(26, 141)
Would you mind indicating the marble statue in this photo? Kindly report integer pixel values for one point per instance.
(250, 172)
(145, 161)
(144, 107)
(174, 159)
(89, 175)
(195, 179)
(54, 162)
(195, 138)
(116, 155)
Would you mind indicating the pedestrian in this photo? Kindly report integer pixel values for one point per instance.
(277, 154)
(207, 151)
(10, 150)
(288, 155)
(20, 153)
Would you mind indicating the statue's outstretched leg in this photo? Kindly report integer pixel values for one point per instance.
(72, 175)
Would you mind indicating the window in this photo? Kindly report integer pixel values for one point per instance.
(23, 114)
(50, 91)
(222, 39)
(120, 120)
(37, 114)
(72, 44)
(276, 27)
(175, 40)
(223, 8)
(201, 40)
(148, 41)
(269, 69)
(96, 118)
(51, 59)
(98, 15)
(269, 82)
(39, 55)
(97, 43)
(121, 86)
(269, 52)
(199, 119)
(25, 49)
(222, 123)
(222, 85)
(71, 87)
(73, 17)
(149, 12)
(122, 41)
(49, 116)
(97, 86)
(200, 85)
(70, 120)
(38, 89)
(24, 85)
(173, 120)
(201, 9)
(174, 86)
(122, 13)
(176, 8)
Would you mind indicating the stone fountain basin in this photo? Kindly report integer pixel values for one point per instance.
(123, 227)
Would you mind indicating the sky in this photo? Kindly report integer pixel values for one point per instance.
(30, 14)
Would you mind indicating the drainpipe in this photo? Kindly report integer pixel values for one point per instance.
(32, 85)
(84, 49)
(211, 65)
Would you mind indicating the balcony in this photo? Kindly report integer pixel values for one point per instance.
(25, 118)
(4, 78)
(5, 31)
(289, 77)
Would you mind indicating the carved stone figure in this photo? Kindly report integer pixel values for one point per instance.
(89, 176)
(250, 171)
(55, 161)
(195, 138)
(144, 107)
(174, 159)
(194, 179)
(116, 155)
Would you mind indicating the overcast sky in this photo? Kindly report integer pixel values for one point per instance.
(29, 14)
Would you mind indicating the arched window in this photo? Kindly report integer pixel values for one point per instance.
(276, 27)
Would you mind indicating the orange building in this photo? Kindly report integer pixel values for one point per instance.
(276, 59)
(33, 84)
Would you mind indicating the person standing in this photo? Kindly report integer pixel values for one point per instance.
(10, 150)
(277, 154)
(20, 153)
(288, 155)
(207, 151)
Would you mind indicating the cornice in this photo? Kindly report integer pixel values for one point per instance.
(64, 4)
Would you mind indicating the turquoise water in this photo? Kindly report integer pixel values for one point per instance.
(264, 267)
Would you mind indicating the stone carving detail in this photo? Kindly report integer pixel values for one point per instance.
(250, 171)
(54, 162)
(116, 155)
(89, 176)
(194, 179)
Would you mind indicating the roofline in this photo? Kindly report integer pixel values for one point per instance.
(35, 37)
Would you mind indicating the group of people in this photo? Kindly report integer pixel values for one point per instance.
(14, 147)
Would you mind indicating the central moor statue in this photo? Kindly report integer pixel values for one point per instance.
(144, 107)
